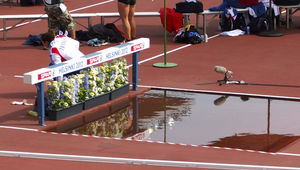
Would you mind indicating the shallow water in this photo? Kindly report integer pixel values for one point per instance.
(201, 119)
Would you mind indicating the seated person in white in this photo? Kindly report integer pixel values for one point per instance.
(62, 48)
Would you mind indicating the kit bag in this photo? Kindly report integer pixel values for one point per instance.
(52, 2)
(227, 24)
(189, 7)
(189, 35)
(286, 2)
(259, 24)
(30, 2)
(174, 20)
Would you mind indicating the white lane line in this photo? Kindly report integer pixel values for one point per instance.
(133, 161)
(18, 128)
(101, 3)
(174, 50)
(25, 23)
(162, 54)
(214, 36)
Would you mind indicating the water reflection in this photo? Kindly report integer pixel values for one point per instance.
(139, 124)
(117, 125)
(203, 119)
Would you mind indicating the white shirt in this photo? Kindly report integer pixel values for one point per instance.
(64, 48)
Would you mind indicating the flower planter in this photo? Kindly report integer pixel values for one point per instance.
(63, 113)
(119, 92)
(95, 101)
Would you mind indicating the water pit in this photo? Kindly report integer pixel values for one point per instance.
(242, 122)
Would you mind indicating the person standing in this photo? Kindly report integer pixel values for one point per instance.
(126, 9)
(59, 17)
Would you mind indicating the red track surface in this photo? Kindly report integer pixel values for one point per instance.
(253, 59)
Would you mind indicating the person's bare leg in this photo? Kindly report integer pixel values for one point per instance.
(132, 21)
(124, 11)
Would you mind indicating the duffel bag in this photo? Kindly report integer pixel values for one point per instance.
(189, 7)
(286, 2)
(30, 2)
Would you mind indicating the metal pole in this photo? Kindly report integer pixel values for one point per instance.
(4, 29)
(165, 33)
(165, 64)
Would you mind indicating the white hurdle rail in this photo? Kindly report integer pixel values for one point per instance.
(38, 77)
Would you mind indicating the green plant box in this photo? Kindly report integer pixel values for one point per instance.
(63, 113)
(119, 92)
(95, 101)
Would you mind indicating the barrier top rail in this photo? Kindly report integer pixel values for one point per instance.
(89, 60)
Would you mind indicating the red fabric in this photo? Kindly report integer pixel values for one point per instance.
(55, 50)
(248, 2)
(174, 20)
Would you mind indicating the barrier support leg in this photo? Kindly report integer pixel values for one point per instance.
(135, 64)
(135, 113)
(41, 103)
(4, 29)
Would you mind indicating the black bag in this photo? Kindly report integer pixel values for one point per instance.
(115, 34)
(30, 2)
(109, 32)
(259, 24)
(226, 24)
(189, 7)
(286, 2)
(53, 2)
(189, 35)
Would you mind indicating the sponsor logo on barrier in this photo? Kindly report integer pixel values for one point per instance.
(70, 67)
(94, 60)
(137, 47)
(117, 53)
(44, 75)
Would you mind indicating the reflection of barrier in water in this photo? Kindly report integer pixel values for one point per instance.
(165, 111)
(261, 142)
(114, 125)
(143, 135)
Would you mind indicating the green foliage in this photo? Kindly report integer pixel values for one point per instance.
(87, 84)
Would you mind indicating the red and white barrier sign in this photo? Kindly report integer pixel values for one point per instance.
(143, 135)
(95, 58)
